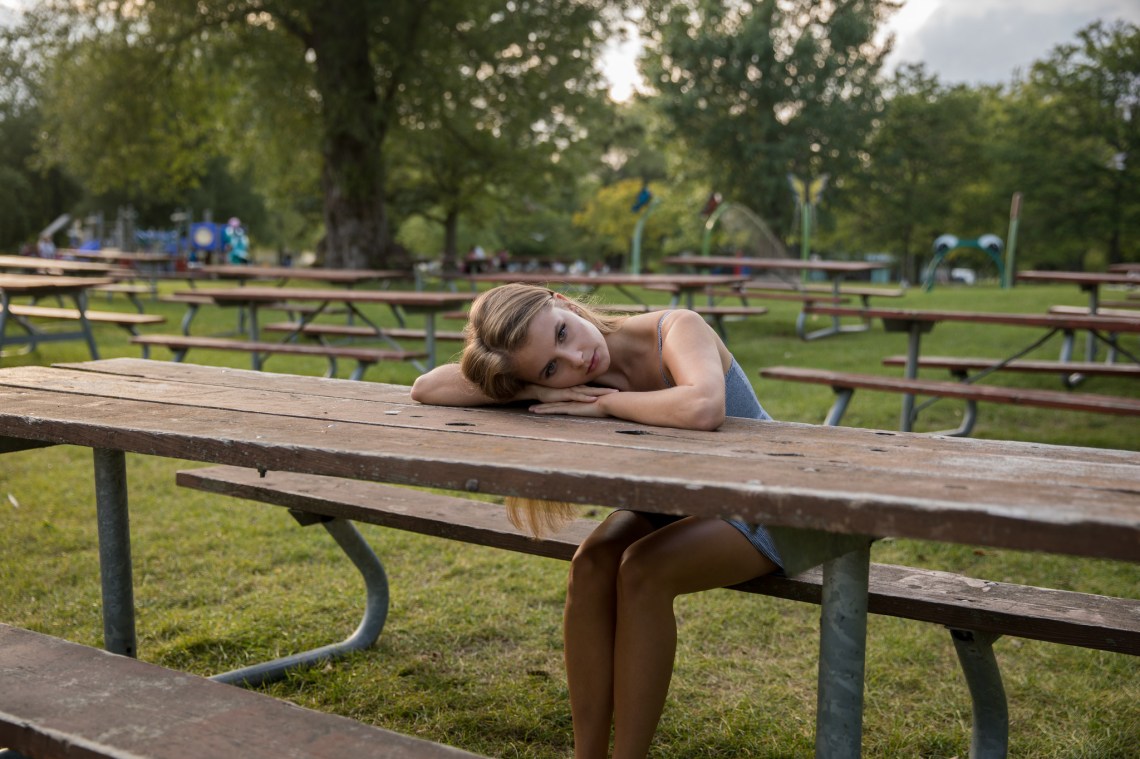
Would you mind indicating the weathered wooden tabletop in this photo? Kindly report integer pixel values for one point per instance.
(1078, 501)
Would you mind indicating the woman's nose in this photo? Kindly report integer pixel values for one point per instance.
(576, 358)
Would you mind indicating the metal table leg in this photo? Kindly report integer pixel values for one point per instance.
(842, 652)
(115, 552)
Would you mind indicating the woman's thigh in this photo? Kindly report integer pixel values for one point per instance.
(696, 553)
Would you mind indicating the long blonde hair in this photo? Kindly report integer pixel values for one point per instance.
(497, 327)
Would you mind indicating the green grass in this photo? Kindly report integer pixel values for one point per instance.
(471, 654)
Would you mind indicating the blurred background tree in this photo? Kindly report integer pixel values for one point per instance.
(369, 132)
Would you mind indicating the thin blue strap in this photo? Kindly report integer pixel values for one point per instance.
(660, 355)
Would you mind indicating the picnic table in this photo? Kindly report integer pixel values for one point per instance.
(252, 299)
(46, 286)
(916, 322)
(836, 271)
(824, 491)
(56, 266)
(348, 277)
(684, 286)
(1089, 282)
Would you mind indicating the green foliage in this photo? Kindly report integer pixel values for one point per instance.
(1077, 121)
(767, 88)
(921, 160)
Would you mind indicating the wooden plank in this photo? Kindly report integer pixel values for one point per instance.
(1078, 619)
(61, 700)
(960, 363)
(72, 314)
(186, 342)
(1054, 321)
(1058, 399)
(795, 475)
(360, 330)
(1102, 310)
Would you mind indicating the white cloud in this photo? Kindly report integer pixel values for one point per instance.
(986, 41)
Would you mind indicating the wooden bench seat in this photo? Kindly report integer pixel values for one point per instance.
(716, 313)
(861, 291)
(62, 700)
(359, 330)
(960, 367)
(1124, 309)
(193, 302)
(126, 321)
(792, 295)
(976, 611)
(117, 318)
(845, 383)
(131, 291)
(364, 357)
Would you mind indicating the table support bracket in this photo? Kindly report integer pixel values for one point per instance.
(989, 738)
(375, 610)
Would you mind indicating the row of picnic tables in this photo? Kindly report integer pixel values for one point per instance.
(826, 490)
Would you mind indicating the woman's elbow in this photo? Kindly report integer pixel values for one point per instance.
(707, 416)
(421, 390)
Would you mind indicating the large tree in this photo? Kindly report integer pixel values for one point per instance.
(195, 81)
(1072, 142)
(764, 88)
(924, 156)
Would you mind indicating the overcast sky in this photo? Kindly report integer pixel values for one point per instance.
(962, 41)
(985, 41)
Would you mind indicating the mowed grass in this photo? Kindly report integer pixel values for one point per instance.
(471, 654)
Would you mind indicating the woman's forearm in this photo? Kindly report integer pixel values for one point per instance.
(680, 407)
(446, 386)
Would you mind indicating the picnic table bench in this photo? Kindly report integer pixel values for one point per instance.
(844, 384)
(63, 700)
(128, 321)
(259, 350)
(961, 366)
(976, 611)
(321, 329)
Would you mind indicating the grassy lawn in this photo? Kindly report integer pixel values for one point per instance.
(471, 654)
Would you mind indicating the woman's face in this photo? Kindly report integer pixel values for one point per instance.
(562, 349)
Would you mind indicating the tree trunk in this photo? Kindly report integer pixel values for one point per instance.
(450, 261)
(354, 124)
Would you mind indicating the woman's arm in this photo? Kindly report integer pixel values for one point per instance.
(445, 385)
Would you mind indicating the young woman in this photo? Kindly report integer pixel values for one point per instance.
(666, 368)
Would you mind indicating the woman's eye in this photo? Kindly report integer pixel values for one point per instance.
(548, 370)
(562, 333)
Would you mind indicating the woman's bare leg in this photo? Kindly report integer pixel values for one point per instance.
(684, 557)
(588, 629)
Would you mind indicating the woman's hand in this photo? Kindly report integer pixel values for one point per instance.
(582, 394)
(572, 408)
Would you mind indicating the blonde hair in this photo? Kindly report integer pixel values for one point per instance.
(539, 517)
(497, 327)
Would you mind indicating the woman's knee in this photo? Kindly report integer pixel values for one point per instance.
(598, 558)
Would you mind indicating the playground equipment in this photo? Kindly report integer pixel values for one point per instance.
(646, 204)
(807, 195)
(989, 244)
(742, 230)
